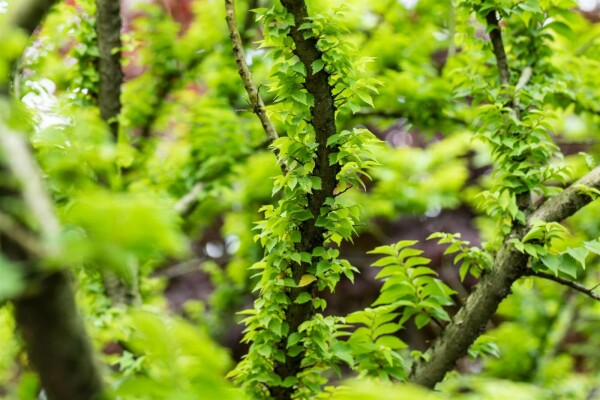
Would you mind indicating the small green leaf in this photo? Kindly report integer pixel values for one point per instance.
(306, 280)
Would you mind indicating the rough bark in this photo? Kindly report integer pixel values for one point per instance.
(108, 29)
(468, 324)
(509, 265)
(323, 121)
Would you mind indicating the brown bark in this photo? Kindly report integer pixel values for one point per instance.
(509, 265)
(323, 121)
(108, 29)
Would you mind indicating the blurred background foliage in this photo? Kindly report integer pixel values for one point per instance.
(187, 127)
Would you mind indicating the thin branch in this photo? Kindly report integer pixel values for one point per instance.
(108, 28)
(12, 230)
(187, 203)
(524, 78)
(20, 161)
(499, 52)
(258, 106)
(566, 282)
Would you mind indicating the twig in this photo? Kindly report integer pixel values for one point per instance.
(499, 52)
(11, 229)
(19, 159)
(524, 78)
(189, 200)
(258, 106)
(566, 282)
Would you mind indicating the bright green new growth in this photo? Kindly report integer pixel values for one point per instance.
(299, 231)
(191, 165)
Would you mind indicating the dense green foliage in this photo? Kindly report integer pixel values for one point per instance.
(425, 134)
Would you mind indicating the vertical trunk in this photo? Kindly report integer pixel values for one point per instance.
(108, 28)
(323, 121)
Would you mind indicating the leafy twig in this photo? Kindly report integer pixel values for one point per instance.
(566, 282)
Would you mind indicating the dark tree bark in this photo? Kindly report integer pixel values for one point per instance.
(108, 29)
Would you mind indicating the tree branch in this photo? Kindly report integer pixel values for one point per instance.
(28, 14)
(566, 282)
(13, 231)
(499, 52)
(56, 341)
(23, 166)
(494, 286)
(187, 203)
(569, 201)
(322, 119)
(108, 30)
(258, 106)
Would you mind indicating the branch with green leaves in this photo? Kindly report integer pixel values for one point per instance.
(292, 343)
(513, 122)
(509, 265)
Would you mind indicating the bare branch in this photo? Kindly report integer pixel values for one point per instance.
(258, 106)
(12, 230)
(499, 52)
(566, 282)
(19, 159)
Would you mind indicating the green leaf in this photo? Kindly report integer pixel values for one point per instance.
(422, 320)
(317, 65)
(391, 342)
(306, 280)
(303, 297)
(579, 254)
